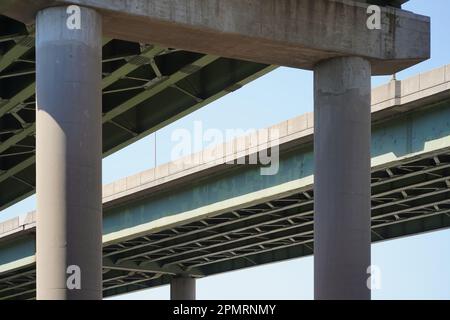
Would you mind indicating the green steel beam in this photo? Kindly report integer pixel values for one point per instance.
(15, 295)
(22, 46)
(135, 62)
(159, 85)
(122, 283)
(19, 98)
(16, 169)
(185, 112)
(148, 268)
(18, 137)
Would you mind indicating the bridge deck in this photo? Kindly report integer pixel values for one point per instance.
(207, 217)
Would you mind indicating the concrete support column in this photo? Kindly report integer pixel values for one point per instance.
(182, 288)
(69, 153)
(342, 135)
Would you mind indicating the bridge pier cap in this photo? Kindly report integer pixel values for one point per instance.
(298, 33)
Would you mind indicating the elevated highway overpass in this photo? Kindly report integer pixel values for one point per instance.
(145, 87)
(200, 216)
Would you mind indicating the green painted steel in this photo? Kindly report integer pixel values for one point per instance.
(401, 137)
(145, 87)
(411, 132)
(16, 249)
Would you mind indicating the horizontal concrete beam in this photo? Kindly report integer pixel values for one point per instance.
(294, 33)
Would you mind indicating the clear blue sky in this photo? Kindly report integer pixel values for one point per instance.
(412, 268)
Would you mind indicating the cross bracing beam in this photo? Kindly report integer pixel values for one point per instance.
(16, 100)
(131, 279)
(158, 85)
(211, 227)
(260, 247)
(256, 249)
(132, 64)
(261, 238)
(242, 242)
(154, 268)
(215, 235)
(22, 46)
(209, 259)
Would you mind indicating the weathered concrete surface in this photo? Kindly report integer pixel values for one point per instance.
(295, 33)
(392, 3)
(68, 154)
(342, 154)
(182, 288)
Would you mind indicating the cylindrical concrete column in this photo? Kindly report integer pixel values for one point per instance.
(342, 134)
(69, 153)
(182, 288)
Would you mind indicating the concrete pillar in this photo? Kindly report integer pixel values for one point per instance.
(342, 136)
(182, 288)
(69, 153)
